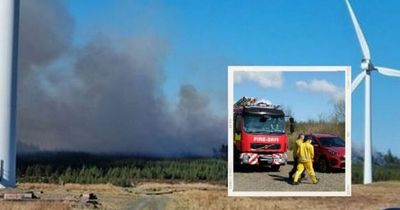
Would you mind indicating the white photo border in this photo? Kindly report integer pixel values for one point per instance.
(347, 70)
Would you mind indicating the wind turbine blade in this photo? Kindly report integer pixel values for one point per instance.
(388, 71)
(357, 80)
(360, 35)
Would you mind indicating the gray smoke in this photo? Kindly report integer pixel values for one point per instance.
(45, 32)
(105, 96)
(196, 126)
(357, 155)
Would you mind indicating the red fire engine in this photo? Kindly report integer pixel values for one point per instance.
(260, 137)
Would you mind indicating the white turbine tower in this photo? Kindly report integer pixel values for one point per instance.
(8, 61)
(366, 68)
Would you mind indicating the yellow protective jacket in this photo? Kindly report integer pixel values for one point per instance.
(296, 147)
(238, 137)
(305, 152)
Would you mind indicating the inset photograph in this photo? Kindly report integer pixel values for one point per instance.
(289, 131)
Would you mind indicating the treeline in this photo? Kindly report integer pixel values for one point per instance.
(379, 172)
(62, 168)
(119, 170)
(332, 123)
(388, 169)
(317, 126)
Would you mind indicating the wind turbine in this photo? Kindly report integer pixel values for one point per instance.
(8, 74)
(366, 69)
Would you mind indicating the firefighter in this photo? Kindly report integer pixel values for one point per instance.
(238, 136)
(300, 140)
(305, 155)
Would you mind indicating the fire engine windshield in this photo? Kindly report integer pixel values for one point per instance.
(263, 124)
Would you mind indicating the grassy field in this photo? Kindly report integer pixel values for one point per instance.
(203, 196)
(110, 196)
(375, 196)
(385, 172)
(197, 183)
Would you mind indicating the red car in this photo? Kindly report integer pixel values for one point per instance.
(329, 151)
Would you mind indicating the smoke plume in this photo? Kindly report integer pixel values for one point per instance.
(104, 96)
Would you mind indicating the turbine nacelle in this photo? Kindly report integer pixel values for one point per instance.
(366, 65)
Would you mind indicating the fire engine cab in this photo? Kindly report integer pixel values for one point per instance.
(260, 137)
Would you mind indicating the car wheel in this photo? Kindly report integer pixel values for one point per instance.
(323, 165)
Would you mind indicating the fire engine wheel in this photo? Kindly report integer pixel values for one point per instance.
(323, 165)
(275, 167)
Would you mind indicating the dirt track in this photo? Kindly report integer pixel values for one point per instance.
(149, 202)
(267, 180)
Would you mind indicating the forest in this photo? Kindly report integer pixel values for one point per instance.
(386, 167)
(83, 168)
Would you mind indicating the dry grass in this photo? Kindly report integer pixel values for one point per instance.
(69, 187)
(177, 187)
(375, 196)
(208, 196)
(40, 205)
(110, 196)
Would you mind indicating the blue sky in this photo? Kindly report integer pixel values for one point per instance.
(206, 36)
(308, 95)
